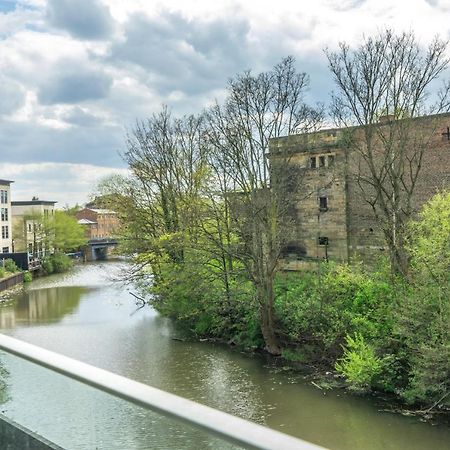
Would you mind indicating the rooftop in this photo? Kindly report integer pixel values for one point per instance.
(101, 211)
(6, 182)
(86, 222)
(33, 202)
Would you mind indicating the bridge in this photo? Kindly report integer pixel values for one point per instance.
(230, 428)
(99, 249)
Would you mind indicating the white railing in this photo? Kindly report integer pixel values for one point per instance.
(230, 428)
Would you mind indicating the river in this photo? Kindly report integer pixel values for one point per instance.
(88, 316)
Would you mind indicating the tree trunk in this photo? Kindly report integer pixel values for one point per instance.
(266, 299)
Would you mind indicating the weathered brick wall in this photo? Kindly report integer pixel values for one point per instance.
(366, 239)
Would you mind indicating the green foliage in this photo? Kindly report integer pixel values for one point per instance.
(359, 364)
(56, 263)
(193, 294)
(47, 265)
(292, 355)
(10, 266)
(423, 317)
(27, 277)
(63, 232)
(2, 272)
(322, 310)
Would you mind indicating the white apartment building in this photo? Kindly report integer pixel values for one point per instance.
(27, 220)
(6, 245)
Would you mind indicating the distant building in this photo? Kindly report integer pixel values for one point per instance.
(99, 223)
(6, 242)
(27, 225)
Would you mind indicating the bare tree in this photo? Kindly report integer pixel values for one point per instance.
(257, 193)
(382, 86)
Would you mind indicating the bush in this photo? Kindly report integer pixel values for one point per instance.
(56, 263)
(47, 265)
(61, 263)
(317, 312)
(27, 277)
(2, 272)
(359, 363)
(10, 266)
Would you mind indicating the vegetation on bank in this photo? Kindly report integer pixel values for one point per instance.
(206, 216)
(8, 268)
(56, 263)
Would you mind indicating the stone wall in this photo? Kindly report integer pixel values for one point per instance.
(349, 222)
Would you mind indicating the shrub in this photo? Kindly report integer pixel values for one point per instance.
(47, 265)
(2, 272)
(56, 263)
(27, 277)
(10, 266)
(317, 312)
(61, 263)
(359, 364)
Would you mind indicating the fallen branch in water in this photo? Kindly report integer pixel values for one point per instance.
(138, 298)
(436, 404)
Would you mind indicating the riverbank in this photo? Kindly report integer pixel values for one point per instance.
(11, 280)
(362, 326)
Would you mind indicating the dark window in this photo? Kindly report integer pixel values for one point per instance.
(330, 160)
(293, 251)
(323, 240)
(312, 162)
(323, 203)
(5, 232)
(3, 196)
(321, 161)
(5, 250)
(4, 214)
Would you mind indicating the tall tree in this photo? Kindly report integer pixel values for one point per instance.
(159, 200)
(389, 78)
(256, 190)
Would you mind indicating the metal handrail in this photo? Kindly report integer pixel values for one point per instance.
(228, 427)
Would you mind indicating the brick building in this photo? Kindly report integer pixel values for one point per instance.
(99, 223)
(332, 218)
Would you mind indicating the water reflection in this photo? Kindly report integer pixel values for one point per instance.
(35, 307)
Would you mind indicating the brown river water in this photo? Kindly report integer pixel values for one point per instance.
(88, 316)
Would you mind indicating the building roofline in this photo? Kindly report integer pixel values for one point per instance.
(32, 202)
(354, 127)
(6, 182)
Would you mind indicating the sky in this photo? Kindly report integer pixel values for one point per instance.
(75, 75)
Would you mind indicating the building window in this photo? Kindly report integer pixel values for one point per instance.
(323, 204)
(323, 240)
(4, 214)
(5, 250)
(30, 228)
(330, 160)
(30, 248)
(5, 232)
(312, 162)
(3, 196)
(321, 161)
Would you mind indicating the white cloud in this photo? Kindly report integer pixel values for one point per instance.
(64, 183)
(70, 90)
